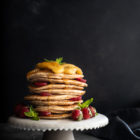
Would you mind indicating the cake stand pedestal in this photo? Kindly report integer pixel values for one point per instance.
(58, 129)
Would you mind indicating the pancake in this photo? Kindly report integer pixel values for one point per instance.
(54, 107)
(56, 116)
(61, 91)
(49, 98)
(37, 73)
(60, 81)
(55, 86)
(62, 102)
(57, 111)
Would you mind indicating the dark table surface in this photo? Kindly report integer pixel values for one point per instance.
(7, 132)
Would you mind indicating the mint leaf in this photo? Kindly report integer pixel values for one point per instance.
(47, 60)
(58, 60)
(28, 114)
(80, 106)
(96, 114)
(32, 114)
(36, 118)
(86, 103)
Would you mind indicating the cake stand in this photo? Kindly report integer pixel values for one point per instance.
(58, 129)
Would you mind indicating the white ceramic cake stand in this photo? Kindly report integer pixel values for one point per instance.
(59, 129)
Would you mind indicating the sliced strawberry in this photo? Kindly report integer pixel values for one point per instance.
(81, 80)
(76, 98)
(17, 108)
(45, 94)
(86, 114)
(77, 115)
(40, 84)
(21, 112)
(93, 111)
(44, 113)
(90, 113)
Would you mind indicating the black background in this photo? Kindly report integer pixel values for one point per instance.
(101, 37)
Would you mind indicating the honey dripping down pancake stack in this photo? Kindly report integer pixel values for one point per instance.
(57, 89)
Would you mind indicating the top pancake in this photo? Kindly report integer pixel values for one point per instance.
(37, 73)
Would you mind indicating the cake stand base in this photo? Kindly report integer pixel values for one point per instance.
(59, 129)
(58, 135)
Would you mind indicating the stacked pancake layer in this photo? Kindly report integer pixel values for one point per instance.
(62, 93)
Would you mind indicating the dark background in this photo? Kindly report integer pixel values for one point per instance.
(101, 37)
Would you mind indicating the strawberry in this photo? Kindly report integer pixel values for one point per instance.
(93, 111)
(83, 111)
(77, 115)
(17, 108)
(90, 113)
(44, 113)
(39, 84)
(81, 80)
(76, 98)
(86, 113)
(22, 110)
(45, 94)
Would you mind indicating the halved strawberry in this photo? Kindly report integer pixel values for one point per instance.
(77, 115)
(93, 111)
(17, 108)
(90, 113)
(21, 112)
(86, 113)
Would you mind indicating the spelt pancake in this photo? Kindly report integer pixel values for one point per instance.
(37, 73)
(49, 98)
(55, 86)
(55, 107)
(61, 91)
(60, 81)
(57, 111)
(62, 102)
(56, 116)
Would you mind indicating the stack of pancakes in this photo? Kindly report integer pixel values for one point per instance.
(62, 92)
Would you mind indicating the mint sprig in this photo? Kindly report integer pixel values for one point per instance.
(86, 103)
(58, 60)
(47, 60)
(96, 114)
(32, 114)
